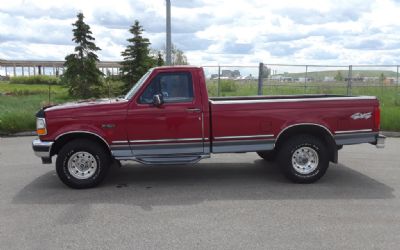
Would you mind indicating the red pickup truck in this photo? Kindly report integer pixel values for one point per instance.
(168, 118)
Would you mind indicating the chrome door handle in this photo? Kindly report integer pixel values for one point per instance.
(193, 110)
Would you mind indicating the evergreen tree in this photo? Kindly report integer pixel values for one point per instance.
(81, 74)
(160, 59)
(137, 59)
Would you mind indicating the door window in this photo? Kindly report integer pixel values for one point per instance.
(174, 88)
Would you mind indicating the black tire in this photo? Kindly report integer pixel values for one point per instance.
(97, 156)
(305, 167)
(269, 156)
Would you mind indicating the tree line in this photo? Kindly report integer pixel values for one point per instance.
(83, 77)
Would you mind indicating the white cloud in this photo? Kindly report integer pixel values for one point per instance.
(212, 31)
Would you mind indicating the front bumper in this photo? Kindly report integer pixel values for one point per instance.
(42, 149)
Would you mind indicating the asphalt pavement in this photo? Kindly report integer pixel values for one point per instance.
(231, 201)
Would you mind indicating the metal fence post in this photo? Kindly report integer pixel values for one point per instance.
(219, 81)
(397, 79)
(305, 80)
(382, 82)
(49, 92)
(350, 75)
(269, 72)
(109, 88)
(260, 78)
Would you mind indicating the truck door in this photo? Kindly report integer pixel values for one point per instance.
(173, 128)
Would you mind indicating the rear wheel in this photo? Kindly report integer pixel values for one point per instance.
(267, 155)
(303, 158)
(82, 163)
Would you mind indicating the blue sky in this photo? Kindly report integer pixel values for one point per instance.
(212, 32)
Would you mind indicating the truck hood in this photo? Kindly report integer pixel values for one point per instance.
(84, 103)
(86, 107)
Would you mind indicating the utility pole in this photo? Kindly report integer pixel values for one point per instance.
(168, 56)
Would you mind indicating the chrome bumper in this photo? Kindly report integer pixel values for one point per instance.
(42, 148)
(380, 141)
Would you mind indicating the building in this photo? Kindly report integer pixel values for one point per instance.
(231, 74)
(329, 79)
(227, 74)
(36, 67)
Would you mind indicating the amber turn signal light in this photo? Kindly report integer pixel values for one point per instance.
(41, 126)
(41, 131)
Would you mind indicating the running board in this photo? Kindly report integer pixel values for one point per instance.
(165, 160)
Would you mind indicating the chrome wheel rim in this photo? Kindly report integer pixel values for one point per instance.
(82, 165)
(305, 160)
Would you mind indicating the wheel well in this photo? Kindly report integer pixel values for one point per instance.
(314, 130)
(64, 139)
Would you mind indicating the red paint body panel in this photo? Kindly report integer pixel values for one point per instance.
(169, 121)
(128, 120)
(88, 117)
(273, 117)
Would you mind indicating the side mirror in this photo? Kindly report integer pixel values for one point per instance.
(158, 100)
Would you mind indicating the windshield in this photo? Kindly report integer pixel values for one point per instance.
(137, 86)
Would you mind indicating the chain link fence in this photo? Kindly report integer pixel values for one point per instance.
(288, 79)
(231, 80)
(19, 102)
(278, 79)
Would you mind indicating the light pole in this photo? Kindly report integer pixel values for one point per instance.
(168, 56)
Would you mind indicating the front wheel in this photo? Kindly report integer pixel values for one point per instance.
(82, 163)
(303, 159)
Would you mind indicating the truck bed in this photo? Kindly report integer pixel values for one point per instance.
(256, 122)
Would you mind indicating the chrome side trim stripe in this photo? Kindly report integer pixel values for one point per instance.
(121, 153)
(167, 140)
(353, 131)
(243, 137)
(218, 102)
(242, 146)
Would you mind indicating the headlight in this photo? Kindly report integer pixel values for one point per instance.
(41, 126)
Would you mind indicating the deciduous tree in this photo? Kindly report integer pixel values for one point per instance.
(178, 57)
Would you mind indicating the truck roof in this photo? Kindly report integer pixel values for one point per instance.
(178, 67)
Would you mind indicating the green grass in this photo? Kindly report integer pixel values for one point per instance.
(33, 80)
(20, 102)
(320, 75)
